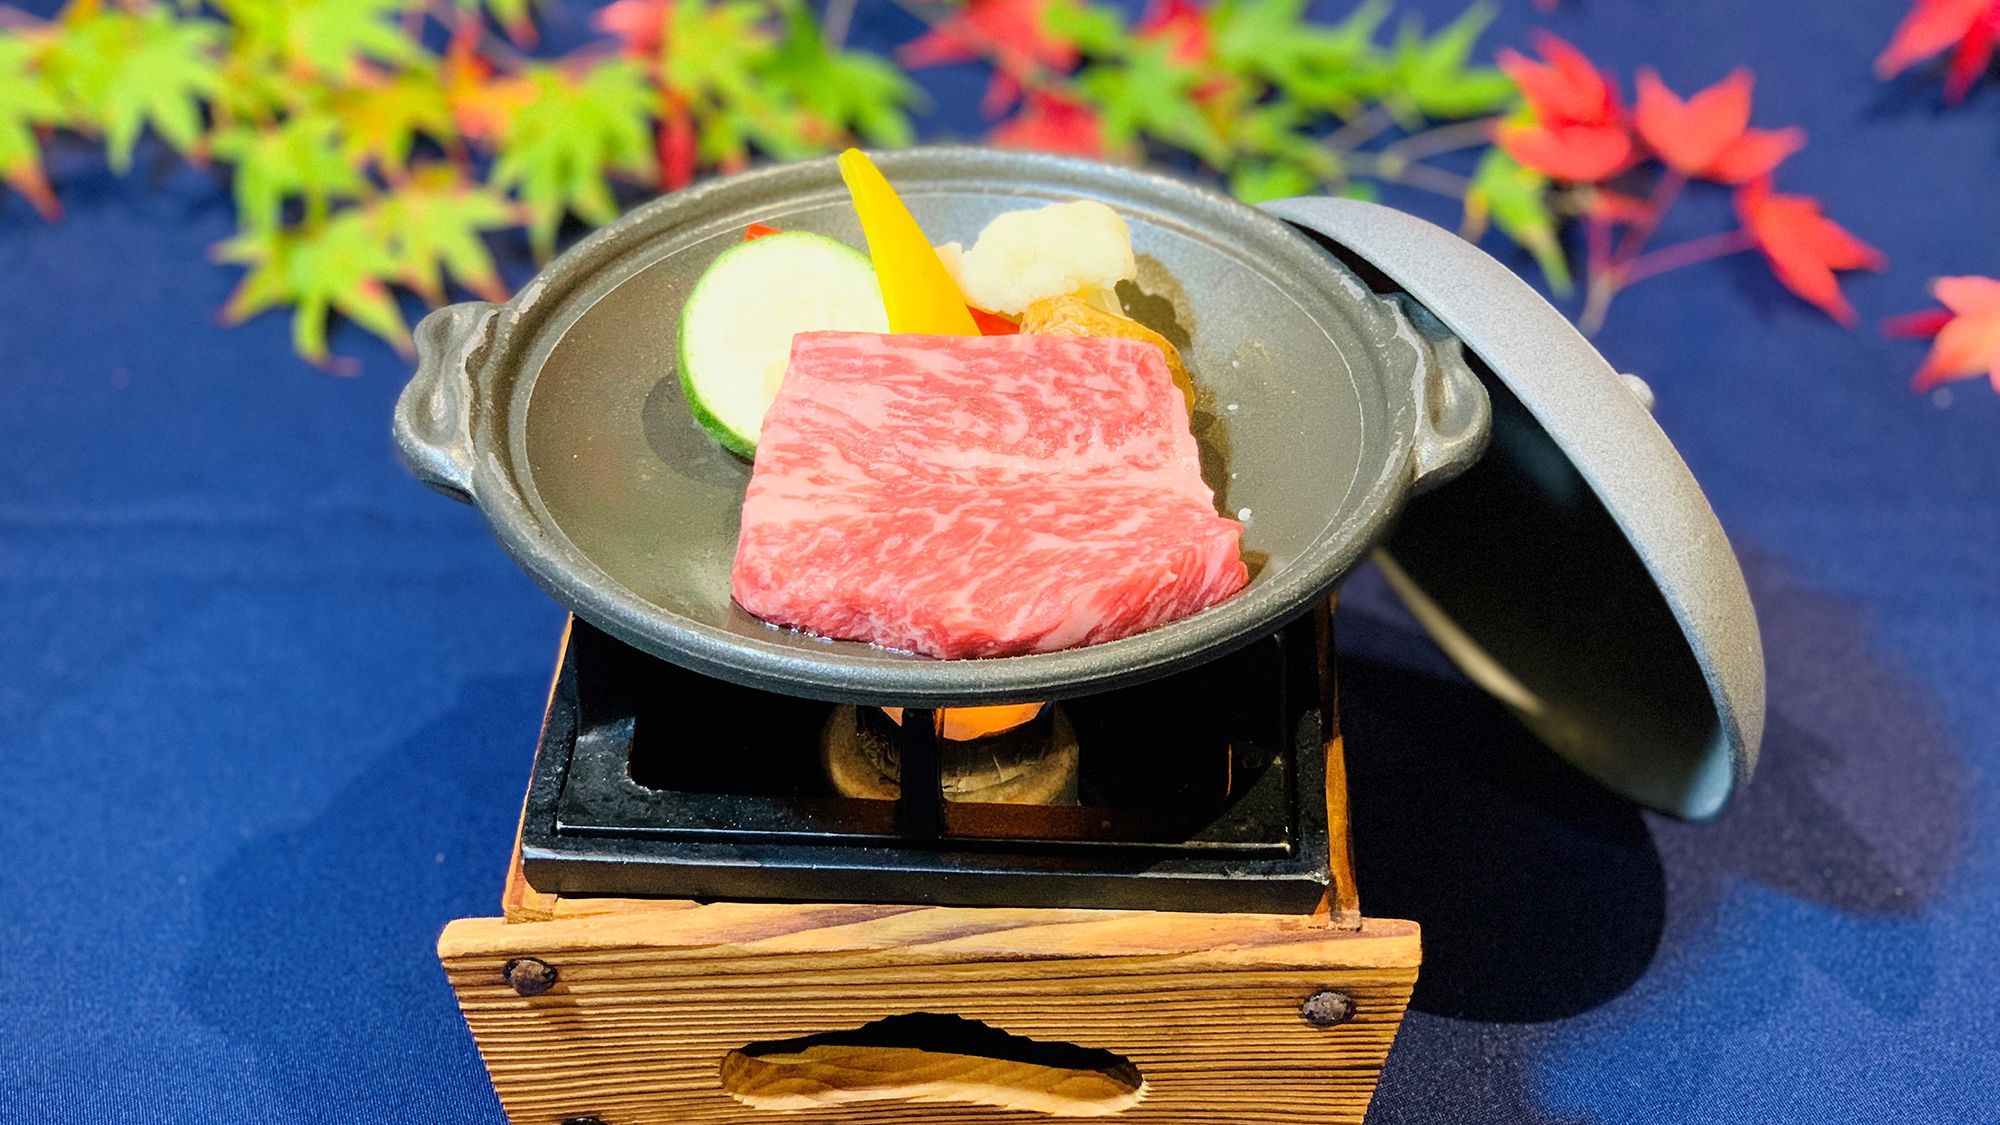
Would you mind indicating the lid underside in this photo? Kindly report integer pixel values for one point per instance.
(1523, 578)
(1576, 572)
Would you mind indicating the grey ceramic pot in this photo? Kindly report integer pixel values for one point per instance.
(1322, 407)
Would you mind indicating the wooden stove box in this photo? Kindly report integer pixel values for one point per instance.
(655, 1012)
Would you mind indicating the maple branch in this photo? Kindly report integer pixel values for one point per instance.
(1691, 252)
(12, 19)
(1444, 138)
(1596, 304)
(495, 48)
(834, 24)
(1599, 287)
(1597, 244)
(1665, 192)
(1381, 166)
(1610, 271)
(1360, 130)
(1607, 282)
(586, 56)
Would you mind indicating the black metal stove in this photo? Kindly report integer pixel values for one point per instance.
(1203, 791)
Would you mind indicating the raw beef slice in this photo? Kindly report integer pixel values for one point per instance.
(979, 495)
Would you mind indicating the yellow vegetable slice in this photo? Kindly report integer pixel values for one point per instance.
(919, 294)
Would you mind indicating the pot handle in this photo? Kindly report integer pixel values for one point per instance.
(434, 414)
(1454, 416)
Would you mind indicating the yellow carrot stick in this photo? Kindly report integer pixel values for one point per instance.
(916, 288)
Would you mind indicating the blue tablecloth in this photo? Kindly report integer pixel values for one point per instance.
(268, 705)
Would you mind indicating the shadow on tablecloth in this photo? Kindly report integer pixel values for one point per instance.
(1545, 899)
(320, 952)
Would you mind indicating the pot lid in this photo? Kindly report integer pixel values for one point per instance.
(1576, 572)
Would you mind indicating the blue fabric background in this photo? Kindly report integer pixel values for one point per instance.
(268, 705)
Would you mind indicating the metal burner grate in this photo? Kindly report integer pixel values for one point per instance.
(654, 780)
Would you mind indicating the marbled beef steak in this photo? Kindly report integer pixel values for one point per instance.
(979, 495)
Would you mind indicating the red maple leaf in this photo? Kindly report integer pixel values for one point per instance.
(1917, 325)
(1967, 331)
(1969, 28)
(1803, 246)
(1755, 154)
(1007, 33)
(638, 24)
(1179, 22)
(676, 142)
(1049, 122)
(1581, 153)
(31, 181)
(1576, 126)
(1181, 25)
(481, 103)
(1709, 135)
(1566, 89)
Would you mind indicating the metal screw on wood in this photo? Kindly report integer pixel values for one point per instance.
(1327, 1009)
(583, 1121)
(530, 977)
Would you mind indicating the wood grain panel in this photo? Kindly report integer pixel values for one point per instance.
(648, 1003)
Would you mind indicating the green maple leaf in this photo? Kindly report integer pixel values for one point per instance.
(557, 149)
(1259, 181)
(1333, 67)
(726, 131)
(1275, 130)
(1147, 93)
(1516, 199)
(330, 34)
(125, 71)
(718, 56)
(432, 226)
(867, 94)
(26, 100)
(1433, 77)
(257, 28)
(382, 120)
(1094, 29)
(712, 49)
(776, 123)
(253, 88)
(779, 125)
(851, 91)
(1283, 160)
(303, 156)
(343, 265)
(326, 36)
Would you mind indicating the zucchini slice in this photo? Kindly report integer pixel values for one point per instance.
(737, 325)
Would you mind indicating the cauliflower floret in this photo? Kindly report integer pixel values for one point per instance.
(1025, 256)
(949, 254)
